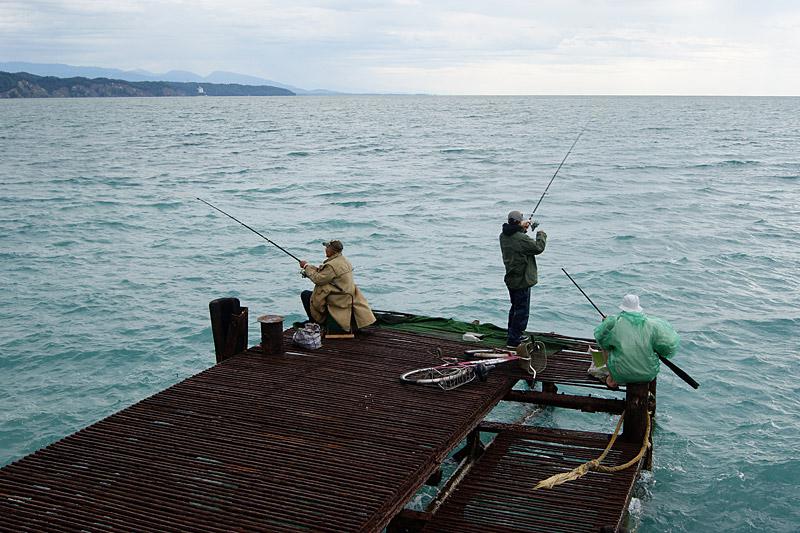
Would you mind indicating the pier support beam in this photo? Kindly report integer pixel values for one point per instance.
(588, 404)
(636, 406)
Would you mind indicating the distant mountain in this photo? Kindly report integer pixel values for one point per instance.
(25, 85)
(220, 77)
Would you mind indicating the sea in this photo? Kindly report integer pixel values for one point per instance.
(108, 261)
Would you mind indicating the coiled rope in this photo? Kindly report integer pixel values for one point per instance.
(594, 464)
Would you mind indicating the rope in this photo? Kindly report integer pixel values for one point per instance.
(594, 464)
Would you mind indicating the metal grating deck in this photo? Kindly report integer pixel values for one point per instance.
(327, 441)
(496, 495)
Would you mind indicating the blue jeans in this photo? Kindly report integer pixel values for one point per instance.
(518, 314)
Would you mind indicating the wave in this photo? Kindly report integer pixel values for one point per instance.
(727, 163)
(351, 204)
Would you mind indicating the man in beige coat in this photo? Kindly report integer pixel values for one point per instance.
(335, 293)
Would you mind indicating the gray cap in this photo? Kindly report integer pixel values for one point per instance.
(335, 245)
(516, 216)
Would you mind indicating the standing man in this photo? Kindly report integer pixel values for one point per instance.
(633, 342)
(335, 293)
(519, 252)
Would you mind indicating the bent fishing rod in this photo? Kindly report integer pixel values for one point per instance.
(281, 248)
(672, 366)
(559, 168)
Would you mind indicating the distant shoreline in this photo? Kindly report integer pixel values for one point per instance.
(25, 85)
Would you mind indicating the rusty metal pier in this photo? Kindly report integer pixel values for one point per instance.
(324, 440)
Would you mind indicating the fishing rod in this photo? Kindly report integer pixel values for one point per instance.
(672, 366)
(559, 168)
(282, 249)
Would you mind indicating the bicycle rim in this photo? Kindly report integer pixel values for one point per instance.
(427, 376)
(489, 354)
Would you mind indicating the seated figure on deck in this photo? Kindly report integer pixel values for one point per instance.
(335, 294)
(632, 341)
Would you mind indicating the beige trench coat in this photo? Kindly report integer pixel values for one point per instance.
(337, 294)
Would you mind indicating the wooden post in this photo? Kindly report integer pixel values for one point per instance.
(229, 327)
(271, 334)
(636, 403)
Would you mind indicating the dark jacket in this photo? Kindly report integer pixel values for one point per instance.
(518, 255)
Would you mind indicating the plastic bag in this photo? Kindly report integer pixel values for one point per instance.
(310, 337)
(598, 368)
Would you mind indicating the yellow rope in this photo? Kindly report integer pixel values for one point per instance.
(594, 464)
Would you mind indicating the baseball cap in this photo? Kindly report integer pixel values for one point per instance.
(516, 216)
(334, 244)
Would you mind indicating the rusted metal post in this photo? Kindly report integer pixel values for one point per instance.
(648, 458)
(271, 334)
(435, 478)
(636, 404)
(229, 327)
(653, 396)
(408, 521)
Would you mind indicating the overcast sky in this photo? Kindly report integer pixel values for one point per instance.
(446, 47)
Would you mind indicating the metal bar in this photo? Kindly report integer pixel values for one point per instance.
(583, 403)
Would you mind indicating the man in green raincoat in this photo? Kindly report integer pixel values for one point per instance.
(633, 342)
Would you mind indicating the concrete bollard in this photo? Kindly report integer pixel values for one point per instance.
(271, 334)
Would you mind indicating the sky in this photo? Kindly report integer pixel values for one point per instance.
(669, 47)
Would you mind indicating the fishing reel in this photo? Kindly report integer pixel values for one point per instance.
(532, 225)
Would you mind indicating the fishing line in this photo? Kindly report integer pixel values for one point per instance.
(559, 168)
(281, 248)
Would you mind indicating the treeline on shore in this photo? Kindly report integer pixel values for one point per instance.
(24, 85)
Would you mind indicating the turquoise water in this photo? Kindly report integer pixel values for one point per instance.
(108, 261)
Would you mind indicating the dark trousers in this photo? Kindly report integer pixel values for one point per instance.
(518, 314)
(305, 297)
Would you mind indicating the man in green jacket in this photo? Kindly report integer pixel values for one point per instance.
(633, 342)
(519, 252)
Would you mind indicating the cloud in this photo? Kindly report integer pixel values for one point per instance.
(424, 46)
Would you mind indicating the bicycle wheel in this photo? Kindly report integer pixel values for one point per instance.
(427, 376)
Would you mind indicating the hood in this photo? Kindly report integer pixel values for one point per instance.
(511, 229)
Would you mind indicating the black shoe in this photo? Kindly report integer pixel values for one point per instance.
(523, 340)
